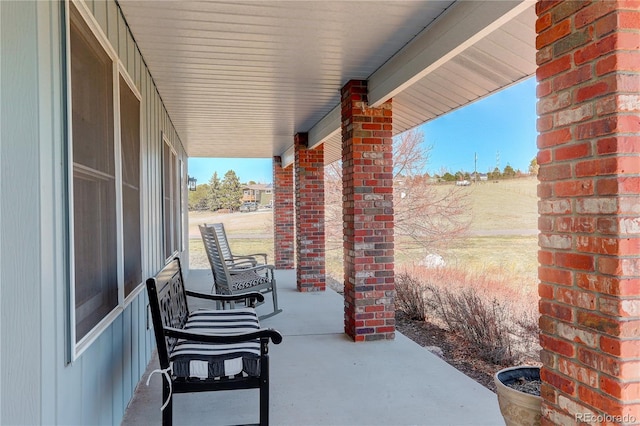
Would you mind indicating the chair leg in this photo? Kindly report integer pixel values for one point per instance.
(275, 309)
(274, 295)
(167, 413)
(264, 390)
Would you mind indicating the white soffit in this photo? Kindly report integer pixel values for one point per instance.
(241, 79)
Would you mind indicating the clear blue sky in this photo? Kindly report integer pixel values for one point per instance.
(256, 169)
(503, 123)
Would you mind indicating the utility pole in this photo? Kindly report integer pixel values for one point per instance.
(475, 168)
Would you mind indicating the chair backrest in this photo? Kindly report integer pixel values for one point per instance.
(168, 303)
(225, 249)
(215, 255)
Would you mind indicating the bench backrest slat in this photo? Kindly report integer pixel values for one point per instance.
(168, 303)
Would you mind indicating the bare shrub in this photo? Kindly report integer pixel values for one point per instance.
(494, 316)
(529, 331)
(483, 322)
(410, 296)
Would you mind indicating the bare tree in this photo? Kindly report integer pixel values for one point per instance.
(426, 215)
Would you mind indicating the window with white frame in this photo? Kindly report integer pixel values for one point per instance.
(172, 212)
(105, 122)
(130, 154)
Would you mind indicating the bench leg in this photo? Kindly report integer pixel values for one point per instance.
(264, 391)
(167, 413)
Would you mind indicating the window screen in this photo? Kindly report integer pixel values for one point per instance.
(94, 195)
(130, 148)
(172, 196)
(169, 177)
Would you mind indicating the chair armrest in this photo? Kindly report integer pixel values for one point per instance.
(245, 256)
(254, 268)
(234, 264)
(263, 333)
(251, 255)
(227, 297)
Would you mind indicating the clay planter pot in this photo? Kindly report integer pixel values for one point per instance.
(518, 408)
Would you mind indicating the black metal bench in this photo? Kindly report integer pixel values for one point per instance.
(207, 350)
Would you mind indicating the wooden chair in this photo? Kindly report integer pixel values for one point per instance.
(207, 350)
(229, 281)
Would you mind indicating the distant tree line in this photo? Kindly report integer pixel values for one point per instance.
(507, 173)
(227, 193)
(217, 194)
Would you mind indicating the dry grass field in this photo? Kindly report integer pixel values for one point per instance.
(259, 222)
(503, 235)
(502, 238)
(509, 205)
(247, 232)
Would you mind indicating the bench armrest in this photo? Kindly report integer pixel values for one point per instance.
(227, 297)
(263, 333)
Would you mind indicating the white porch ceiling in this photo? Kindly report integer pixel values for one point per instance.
(240, 79)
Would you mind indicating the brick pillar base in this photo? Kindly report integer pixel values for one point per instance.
(283, 219)
(589, 157)
(367, 176)
(309, 184)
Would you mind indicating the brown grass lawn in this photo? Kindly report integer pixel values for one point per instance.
(509, 205)
(259, 222)
(247, 232)
(502, 238)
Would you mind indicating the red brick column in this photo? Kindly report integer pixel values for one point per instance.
(309, 183)
(367, 181)
(589, 156)
(283, 219)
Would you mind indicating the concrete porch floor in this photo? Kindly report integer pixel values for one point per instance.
(320, 377)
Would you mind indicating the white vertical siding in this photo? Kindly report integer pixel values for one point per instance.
(96, 387)
(20, 293)
(100, 12)
(1, 364)
(112, 23)
(52, 182)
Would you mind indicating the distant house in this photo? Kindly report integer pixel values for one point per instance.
(259, 192)
(479, 177)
